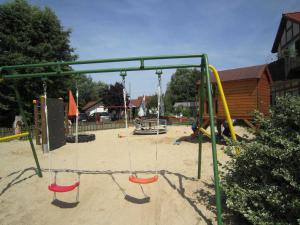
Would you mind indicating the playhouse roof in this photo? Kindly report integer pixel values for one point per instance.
(251, 72)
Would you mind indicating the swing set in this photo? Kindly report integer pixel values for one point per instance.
(61, 68)
(53, 186)
(133, 178)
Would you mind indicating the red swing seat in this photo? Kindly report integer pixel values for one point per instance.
(60, 188)
(138, 180)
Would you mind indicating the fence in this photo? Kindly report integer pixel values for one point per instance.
(91, 126)
(82, 127)
(4, 131)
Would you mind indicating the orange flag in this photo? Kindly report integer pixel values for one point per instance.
(72, 105)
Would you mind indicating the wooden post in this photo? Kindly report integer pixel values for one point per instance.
(250, 124)
(219, 127)
(43, 125)
(36, 122)
(67, 131)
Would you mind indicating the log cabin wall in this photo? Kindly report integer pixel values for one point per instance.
(246, 89)
(241, 98)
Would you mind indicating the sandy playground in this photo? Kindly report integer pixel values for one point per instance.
(106, 196)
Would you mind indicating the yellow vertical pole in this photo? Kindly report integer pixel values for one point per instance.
(222, 95)
(228, 117)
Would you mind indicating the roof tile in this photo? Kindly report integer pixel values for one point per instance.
(89, 105)
(243, 73)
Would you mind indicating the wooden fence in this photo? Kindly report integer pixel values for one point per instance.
(91, 126)
(4, 131)
(82, 127)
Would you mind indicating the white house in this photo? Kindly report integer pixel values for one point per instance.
(93, 107)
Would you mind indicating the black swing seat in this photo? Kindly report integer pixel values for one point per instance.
(61, 188)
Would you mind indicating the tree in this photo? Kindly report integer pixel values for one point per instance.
(263, 183)
(151, 105)
(29, 34)
(182, 87)
(88, 89)
(113, 98)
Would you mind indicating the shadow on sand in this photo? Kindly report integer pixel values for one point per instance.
(220, 139)
(206, 198)
(63, 204)
(18, 179)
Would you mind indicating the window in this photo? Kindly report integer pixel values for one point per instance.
(283, 41)
(288, 24)
(289, 35)
(295, 28)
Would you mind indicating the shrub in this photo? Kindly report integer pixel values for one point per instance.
(263, 183)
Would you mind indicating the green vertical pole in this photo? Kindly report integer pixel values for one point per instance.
(213, 143)
(38, 171)
(201, 94)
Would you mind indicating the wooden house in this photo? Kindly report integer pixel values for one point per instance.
(285, 71)
(246, 89)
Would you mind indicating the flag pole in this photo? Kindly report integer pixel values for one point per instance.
(76, 138)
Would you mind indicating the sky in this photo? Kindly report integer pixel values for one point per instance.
(234, 33)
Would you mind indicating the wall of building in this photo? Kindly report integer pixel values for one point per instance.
(290, 36)
(94, 109)
(241, 97)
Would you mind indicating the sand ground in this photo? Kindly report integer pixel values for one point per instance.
(106, 196)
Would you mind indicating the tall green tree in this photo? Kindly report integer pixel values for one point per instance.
(88, 89)
(30, 34)
(151, 104)
(113, 97)
(182, 87)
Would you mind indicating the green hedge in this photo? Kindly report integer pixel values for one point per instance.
(263, 183)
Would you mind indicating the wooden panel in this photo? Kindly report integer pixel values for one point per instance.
(264, 94)
(241, 97)
(56, 123)
(245, 96)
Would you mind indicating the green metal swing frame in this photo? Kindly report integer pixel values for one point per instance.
(11, 72)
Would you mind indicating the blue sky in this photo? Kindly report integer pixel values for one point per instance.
(234, 33)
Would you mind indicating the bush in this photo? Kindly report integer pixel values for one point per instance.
(263, 183)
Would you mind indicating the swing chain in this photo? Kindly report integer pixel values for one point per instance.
(158, 72)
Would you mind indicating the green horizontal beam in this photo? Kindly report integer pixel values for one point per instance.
(108, 70)
(127, 59)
